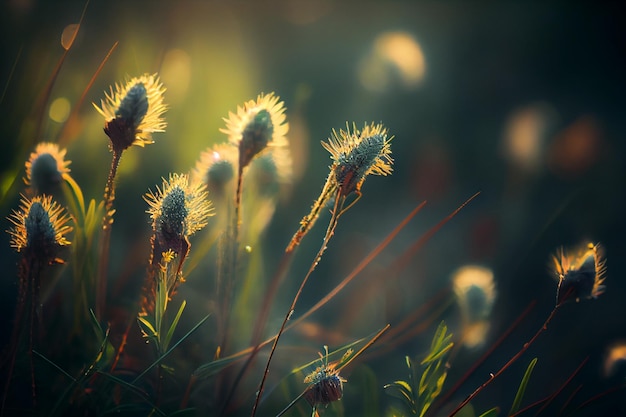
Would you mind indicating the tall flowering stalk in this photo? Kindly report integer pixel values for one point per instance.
(39, 232)
(177, 209)
(132, 112)
(257, 127)
(355, 154)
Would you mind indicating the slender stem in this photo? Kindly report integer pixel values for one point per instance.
(105, 238)
(515, 357)
(231, 261)
(336, 213)
(444, 399)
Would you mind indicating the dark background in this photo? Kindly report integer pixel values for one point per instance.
(558, 67)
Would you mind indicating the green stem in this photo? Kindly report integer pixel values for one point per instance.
(105, 238)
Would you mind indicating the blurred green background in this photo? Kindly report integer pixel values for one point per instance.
(522, 102)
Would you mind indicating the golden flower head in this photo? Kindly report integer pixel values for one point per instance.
(580, 275)
(46, 168)
(257, 125)
(357, 154)
(133, 112)
(216, 168)
(39, 227)
(178, 209)
(326, 386)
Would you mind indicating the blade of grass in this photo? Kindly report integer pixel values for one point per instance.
(156, 362)
(519, 396)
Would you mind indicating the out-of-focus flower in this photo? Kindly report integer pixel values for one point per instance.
(580, 275)
(40, 227)
(133, 111)
(46, 168)
(257, 125)
(216, 169)
(615, 358)
(475, 292)
(357, 154)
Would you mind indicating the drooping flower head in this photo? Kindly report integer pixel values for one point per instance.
(357, 154)
(326, 386)
(133, 111)
(39, 227)
(580, 275)
(46, 168)
(256, 126)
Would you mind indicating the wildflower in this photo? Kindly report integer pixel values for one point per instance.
(46, 168)
(580, 275)
(355, 155)
(475, 292)
(256, 126)
(39, 227)
(358, 154)
(326, 384)
(216, 168)
(133, 112)
(177, 210)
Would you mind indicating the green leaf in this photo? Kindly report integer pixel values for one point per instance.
(490, 413)
(522, 387)
(212, 368)
(147, 327)
(166, 354)
(170, 332)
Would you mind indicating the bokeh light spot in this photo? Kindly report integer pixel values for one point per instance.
(395, 57)
(176, 74)
(59, 110)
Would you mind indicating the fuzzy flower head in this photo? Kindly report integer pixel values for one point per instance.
(133, 111)
(326, 386)
(39, 227)
(357, 154)
(216, 168)
(580, 275)
(178, 209)
(256, 126)
(46, 168)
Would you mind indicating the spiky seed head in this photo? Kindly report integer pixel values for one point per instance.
(581, 274)
(357, 154)
(46, 168)
(133, 111)
(326, 386)
(178, 209)
(257, 125)
(40, 227)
